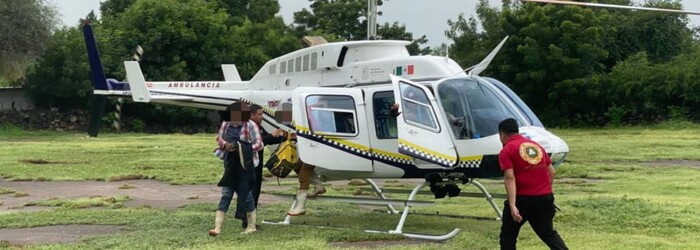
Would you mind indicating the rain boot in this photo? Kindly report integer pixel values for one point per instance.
(251, 223)
(298, 208)
(318, 187)
(218, 223)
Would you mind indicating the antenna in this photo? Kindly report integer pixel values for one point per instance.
(613, 6)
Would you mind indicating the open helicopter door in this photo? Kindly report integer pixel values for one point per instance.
(332, 130)
(423, 131)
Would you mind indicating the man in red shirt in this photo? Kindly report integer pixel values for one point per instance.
(528, 177)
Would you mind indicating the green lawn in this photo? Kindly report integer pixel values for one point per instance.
(611, 195)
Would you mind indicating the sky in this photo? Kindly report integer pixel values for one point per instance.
(421, 17)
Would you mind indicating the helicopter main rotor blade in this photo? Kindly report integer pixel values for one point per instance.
(613, 6)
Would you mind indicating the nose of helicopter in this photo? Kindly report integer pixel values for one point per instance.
(555, 146)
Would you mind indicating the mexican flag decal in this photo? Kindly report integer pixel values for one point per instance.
(404, 70)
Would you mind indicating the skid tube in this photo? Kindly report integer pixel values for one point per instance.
(384, 201)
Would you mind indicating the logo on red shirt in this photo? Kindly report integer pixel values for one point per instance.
(530, 153)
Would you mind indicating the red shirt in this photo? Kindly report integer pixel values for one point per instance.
(530, 165)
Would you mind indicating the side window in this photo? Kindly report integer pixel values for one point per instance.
(306, 63)
(384, 123)
(273, 69)
(297, 66)
(290, 66)
(283, 67)
(416, 107)
(332, 115)
(314, 60)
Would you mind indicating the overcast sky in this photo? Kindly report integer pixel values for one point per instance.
(421, 17)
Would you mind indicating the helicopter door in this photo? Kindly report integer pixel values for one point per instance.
(423, 132)
(332, 128)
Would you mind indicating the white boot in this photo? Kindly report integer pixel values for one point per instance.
(218, 223)
(251, 223)
(298, 208)
(318, 187)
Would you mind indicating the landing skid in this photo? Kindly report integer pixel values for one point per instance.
(391, 210)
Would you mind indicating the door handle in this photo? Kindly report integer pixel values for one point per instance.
(312, 144)
(411, 131)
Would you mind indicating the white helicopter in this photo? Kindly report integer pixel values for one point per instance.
(340, 94)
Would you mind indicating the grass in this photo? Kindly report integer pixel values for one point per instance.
(97, 201)
(609, 196)
(6, 191)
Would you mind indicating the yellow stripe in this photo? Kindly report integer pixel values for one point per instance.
(336, 139)
(425, 150)
(392, 154)
(301, 128)
(352, 144)
(395, 155)
(471, 158)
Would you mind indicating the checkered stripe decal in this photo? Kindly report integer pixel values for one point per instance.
(406, 149)
(472, 164)
(353, 150)
(347, 148)
(266, 110)
(469, 164)
(389, 158)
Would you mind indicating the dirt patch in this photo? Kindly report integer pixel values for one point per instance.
(142, 192)
(151, 193)
(577, 181)
(41, 161)
(375, 244)
(672, 163)
(54, 234)
(660, 163)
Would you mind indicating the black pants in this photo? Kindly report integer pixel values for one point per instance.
(257, 184)
(539, 211)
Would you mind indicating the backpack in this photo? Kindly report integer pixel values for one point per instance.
(284, 159)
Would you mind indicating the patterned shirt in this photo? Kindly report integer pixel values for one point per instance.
(250, 133)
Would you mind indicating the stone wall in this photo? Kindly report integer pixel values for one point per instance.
(41, 119)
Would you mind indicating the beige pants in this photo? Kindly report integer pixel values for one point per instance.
(305, 174)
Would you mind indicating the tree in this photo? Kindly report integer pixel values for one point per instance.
(61, 75)
(398, 32)
(115, 7)
(25, 29)
(558, 57)
(346, 20)
(182, 40)
(343, 18)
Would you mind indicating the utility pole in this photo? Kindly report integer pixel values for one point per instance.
(372, 20)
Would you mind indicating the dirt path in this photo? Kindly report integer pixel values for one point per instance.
(153, 193)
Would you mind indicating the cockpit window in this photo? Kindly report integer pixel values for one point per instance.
(472, 109)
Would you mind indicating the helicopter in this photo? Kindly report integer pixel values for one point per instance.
(336, 98)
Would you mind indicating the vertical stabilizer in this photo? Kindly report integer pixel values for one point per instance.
(137, 82)
(97, 74)
(230, 73)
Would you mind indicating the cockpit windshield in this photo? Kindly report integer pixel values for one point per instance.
(472, 109)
